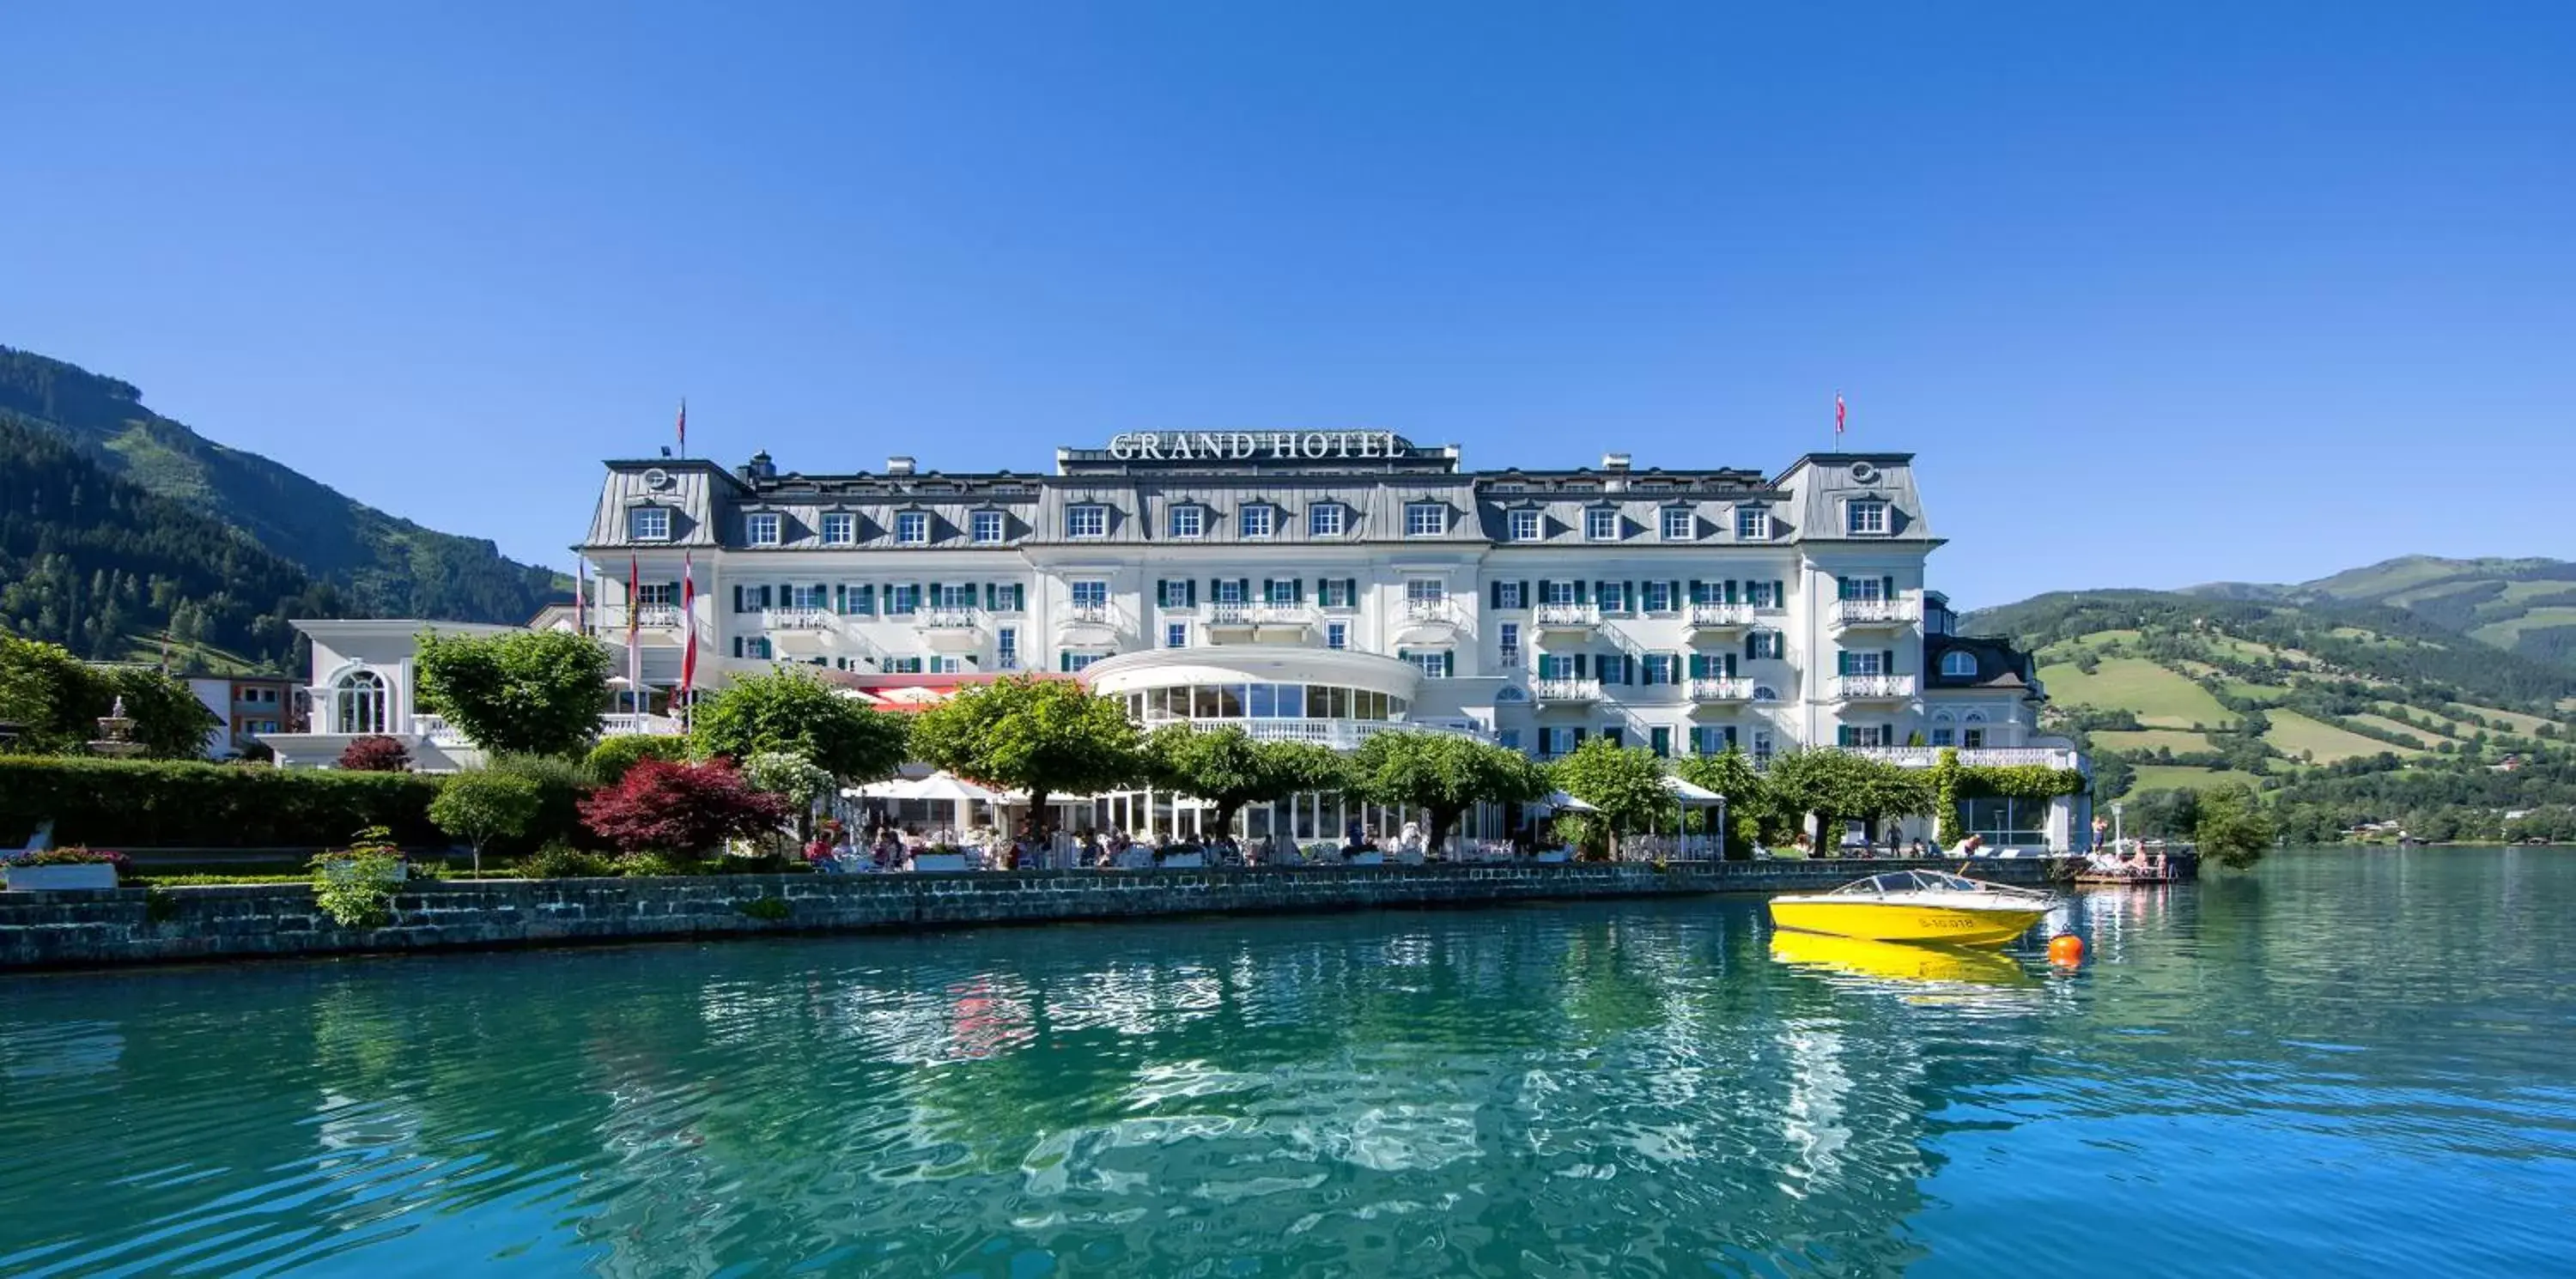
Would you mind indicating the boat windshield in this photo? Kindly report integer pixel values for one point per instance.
(1914, 881)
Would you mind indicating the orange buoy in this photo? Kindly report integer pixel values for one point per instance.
(2066, 948)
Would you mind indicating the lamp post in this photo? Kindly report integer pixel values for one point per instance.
(2115, 824)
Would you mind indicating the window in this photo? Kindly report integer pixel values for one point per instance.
(1434, 663)
(1527, 526)
(1752, 524)
(1761, 644)
(1337, 635)
(954, 595)
(1176, 635)
(1712, 739)
(1509, 739)
(1658, 669)
(1558, 741)
(1176, 592)
(1327, 519)
(803, 597)
(1762, 595)
(1761, 747)
(1075, 662)
(1086, 521)
(1510, 595)
(2005, 822)
(1973, 738)
(649, 524)
(757, 646)
(1257, 520)
(1425, 519)
(1870, 663)
(1232, 590)
(1336, 592)
(1006, 648)
(1679, 524)
(840, 528)
(1959, 663)
(1091, 593)
(1280, 590)
(1864, 735)
(912, 528)
(1659, 597)
(902, 599)
(1601, 524)
(761, 529)
(1556, 666)
(1611, 596)
(1424, 590)
(1556, 593)
(358, 703)
(1188, 520)
(1660, 740)
(1511, 643)
(1865, 516)
(987, 527)
(1861, 588)
(1944, 735)
(657, 595)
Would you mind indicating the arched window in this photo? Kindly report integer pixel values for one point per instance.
(1959, 663)
(1976, 717)
(1765, 693)
(358, 703)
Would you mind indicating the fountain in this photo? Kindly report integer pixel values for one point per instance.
(116, 734)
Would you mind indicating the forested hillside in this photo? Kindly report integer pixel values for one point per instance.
(98, 565)
(383, 566)
(2341, 712)
(2524, 606)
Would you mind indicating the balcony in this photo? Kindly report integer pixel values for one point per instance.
(657, 618)
(1720, 617)
(1721, 689)
(1566, 691)
(1873, 688)
(794, 619)
(625, 725)
(1339, 734)
(1566, 617)
(951, 630)
(1871, 614)
(1259, 623)
(1974, 757)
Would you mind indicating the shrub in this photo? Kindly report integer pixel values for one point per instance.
(479, 807)
(771, 909)
(561, 784)
(688, 807)
(563, 861)
(72, 856)
(375, 755)
(642, 865)
(355, 886)
(167, 804)
(609, 760)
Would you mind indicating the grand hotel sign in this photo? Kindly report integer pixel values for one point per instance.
(1255, 446)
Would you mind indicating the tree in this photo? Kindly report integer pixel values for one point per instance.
(478, 806)
(375, 753)
(684, 808)
(1625, 784)
(168, 719)
(1043, 736)
(1748, 796)
(533, 693)
(795, 712)
(1442, 774)
(56, 700)
(609, 760)
(2232, 828)
(791, 777)
(1225, 767)
(1836, 784)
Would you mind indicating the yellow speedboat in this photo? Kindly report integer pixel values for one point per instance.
(1917, 906)
(1906, 964)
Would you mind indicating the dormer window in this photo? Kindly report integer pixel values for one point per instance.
(1257, 520)
(912, 528)
(840, 528)
(1958, 663)
(761, 528)
(1601, 524)
(1679, 524)
(1327, 519)
(1189, 520)
(987, 528)
(649, 524)
(1527, 525)
(1752, 524)
(1865, 517)
(1425, 519)
(1090, 520)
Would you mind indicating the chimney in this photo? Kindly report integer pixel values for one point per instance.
(898, 466)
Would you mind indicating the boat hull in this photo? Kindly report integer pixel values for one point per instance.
(1906, 921)
(1919, 962)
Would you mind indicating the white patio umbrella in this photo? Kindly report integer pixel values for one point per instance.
(1691, 795)
(949, 787)
(1561, 802)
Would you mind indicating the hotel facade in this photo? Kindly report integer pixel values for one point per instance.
(1323, 586)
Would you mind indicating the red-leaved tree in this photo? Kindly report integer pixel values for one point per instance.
(376, 754)
(681, 808)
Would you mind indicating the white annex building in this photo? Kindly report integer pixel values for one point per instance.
(1322, 586)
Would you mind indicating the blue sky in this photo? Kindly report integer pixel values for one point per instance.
(2160, 293)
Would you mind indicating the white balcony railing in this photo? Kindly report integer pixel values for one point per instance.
(1567, 615)
(1721, 689)
(1429, 611)
(1893, 612)
(623, 725)
(1222, 614)
(950, 619)
(1259, 614)
(1088, 615)
(663, 617)
(797, 619)
(1709, 617)
(1566, 690)
(1340, 734)
(438, 732)
(1857, 688)
(1973, 756)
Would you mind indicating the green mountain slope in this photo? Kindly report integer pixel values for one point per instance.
(2523, 606)
(383, 566)
(93, 562)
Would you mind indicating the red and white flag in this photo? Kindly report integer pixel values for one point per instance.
(634, 632)
(1838, 412)
(689, 618)
(581, 597)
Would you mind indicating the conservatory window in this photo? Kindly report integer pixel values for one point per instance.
(358, 703)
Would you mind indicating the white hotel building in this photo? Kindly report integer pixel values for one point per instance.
(1325, 585)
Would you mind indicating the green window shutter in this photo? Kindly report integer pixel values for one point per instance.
(991, 597)
(1842, 588)
(1449, 664)
(840, 597)
(1842, 662)
(1730, 591)
(1779, 593)
(1887, 662)
(1887, 587)
(1543, 586)
(1698, 591)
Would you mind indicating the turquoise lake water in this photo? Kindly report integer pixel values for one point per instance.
(2345, 1063)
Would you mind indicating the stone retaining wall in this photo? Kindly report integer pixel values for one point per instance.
(133, 925)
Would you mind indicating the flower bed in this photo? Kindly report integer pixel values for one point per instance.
(54, 869)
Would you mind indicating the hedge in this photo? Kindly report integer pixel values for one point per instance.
(149, 804)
